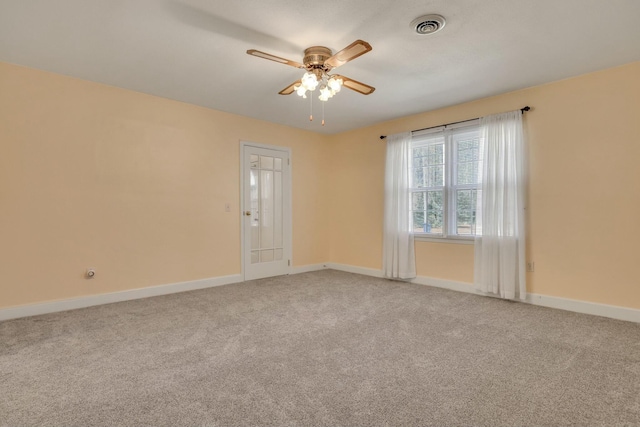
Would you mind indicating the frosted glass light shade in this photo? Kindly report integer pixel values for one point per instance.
(325, 93)
(309, 81)
(300, 90)
(335, 84)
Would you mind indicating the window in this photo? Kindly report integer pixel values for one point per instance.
(445, 181)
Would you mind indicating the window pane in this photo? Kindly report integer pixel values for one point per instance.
(420, 151)
(434, 176)
(436, 154)
(418, 178)
(428, 166)
(466, 212)
(419, 162)
(435, 210)
(468, 152)
(418, 200)
(419, 223)
(467, 173)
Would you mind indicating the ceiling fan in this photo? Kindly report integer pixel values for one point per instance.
(318, 61)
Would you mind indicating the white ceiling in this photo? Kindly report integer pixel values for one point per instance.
(194, 50)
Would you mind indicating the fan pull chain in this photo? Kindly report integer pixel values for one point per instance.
(311, 108)
(323, 113)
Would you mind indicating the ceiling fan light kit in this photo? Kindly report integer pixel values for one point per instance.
(318, 61)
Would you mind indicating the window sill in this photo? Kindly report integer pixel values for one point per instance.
(435, 239)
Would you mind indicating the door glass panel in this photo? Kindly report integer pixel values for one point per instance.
(278, 254)
(255, 257)
(266, 208)
(277, 164)
(254, 161)
(277, 210)
(266, 162)
(255, 210)
(266, 256)
(255, 232)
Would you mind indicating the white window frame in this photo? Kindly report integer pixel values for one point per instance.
(449, 190)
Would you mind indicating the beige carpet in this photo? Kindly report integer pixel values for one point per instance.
(323, 348)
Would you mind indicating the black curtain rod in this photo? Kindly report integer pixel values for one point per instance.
(527, 108)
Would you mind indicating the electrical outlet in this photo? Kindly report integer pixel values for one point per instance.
(531, 266)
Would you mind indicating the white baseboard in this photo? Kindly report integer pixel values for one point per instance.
(611, 311)
(585, 307)
(308, 268)
(445, 284)
(131, 294)
(91, 300)
(596, 309)
(353, 269)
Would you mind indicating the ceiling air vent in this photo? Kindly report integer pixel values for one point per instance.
(428, 24)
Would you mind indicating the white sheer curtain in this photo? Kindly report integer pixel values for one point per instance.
(499, 251)
(398, 260)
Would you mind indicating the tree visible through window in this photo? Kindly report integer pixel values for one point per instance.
(445, 181)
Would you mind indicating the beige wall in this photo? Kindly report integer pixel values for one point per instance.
(135, 186)
(132, 185)
(583, 202)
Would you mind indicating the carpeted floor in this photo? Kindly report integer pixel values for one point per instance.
(324, 348)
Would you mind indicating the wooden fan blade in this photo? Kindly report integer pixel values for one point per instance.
(356, 85)
(355, 49)
(289, 89)
(270, 57)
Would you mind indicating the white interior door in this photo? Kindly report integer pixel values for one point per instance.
(266, 176)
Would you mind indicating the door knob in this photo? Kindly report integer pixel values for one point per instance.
(247, 213)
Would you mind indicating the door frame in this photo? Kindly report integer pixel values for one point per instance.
(287, 226)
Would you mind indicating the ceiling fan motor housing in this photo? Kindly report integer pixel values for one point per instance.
(315, 56)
